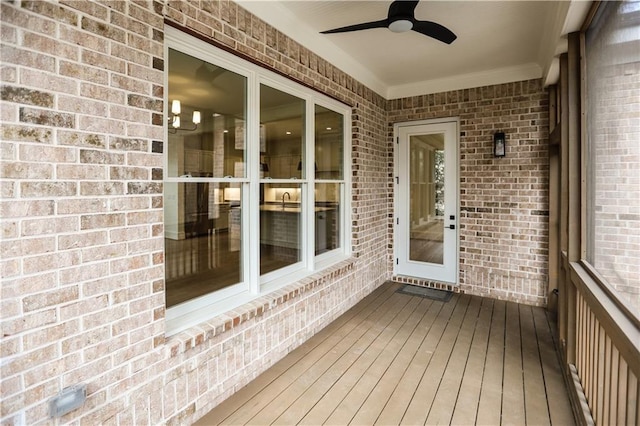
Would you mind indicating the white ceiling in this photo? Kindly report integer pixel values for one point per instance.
(498, 41)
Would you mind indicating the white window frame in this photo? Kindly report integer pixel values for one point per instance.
(195, 311)
(328, 258)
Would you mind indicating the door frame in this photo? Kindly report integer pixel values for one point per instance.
(396, 198)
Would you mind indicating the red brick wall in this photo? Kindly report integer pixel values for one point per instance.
(504, 206)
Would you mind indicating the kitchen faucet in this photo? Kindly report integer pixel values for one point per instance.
(288, 195)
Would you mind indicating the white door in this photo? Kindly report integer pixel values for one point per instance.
(426, 200)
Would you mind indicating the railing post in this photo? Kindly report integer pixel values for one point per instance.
(554, 201)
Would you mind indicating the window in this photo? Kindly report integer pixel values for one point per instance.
(282, 122)
(612, 55)
(255, 189)
(329, 174)
(205, 148)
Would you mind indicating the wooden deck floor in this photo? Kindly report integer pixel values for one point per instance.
(401, 359)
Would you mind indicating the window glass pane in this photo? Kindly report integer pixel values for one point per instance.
(329, 144)
(613, 128)
(327, 217)
(202, 238)
(280, 218)
(282, 130)
(206, 122)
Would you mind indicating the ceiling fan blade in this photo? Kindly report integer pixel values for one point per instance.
(402, 8)
(357, 27)
(434, 30)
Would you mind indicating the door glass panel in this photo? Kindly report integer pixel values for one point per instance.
(426, 195)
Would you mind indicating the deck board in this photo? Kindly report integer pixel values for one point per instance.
(375, 403)
(447, 392)
(490, 403)
(275, 379)
(353, 364)
(535, 407)
(422, 400)
(358, 379)
(557, 402)
(512, 381)
(309, 369)
(396, 407)
(402, 359)
(468, 398)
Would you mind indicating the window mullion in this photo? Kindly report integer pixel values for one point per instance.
(251, 246)
(308, 221)
(345, 217)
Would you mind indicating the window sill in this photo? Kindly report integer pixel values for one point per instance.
(194, 336)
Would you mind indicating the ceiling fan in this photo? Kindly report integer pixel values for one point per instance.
(401, 18)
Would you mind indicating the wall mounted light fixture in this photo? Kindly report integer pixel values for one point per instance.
(499, 144)
(174, 119)
(67, 400)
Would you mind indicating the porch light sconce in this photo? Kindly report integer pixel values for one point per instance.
(499, 145)
(174, 119)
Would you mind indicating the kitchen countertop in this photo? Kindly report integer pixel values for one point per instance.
(290, 209)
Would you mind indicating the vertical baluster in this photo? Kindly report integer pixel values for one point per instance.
(632, 399)
(606, 384)
(615, 382)
(590, 375)
(623, 392)
(582, 350)
(601, 369)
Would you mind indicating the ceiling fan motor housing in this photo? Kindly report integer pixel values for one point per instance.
(401, 25)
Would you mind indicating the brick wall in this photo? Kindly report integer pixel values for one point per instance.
(504, 207)
(82, 232)
(82, 229)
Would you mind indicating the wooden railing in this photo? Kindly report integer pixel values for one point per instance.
(610, 387)
(606, 361)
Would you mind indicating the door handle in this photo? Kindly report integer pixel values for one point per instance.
(452, 227)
